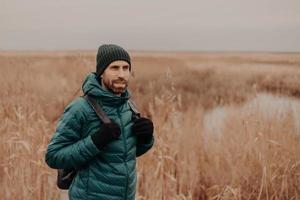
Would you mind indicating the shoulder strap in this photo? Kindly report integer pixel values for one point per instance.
(134, 109)
(93, 103)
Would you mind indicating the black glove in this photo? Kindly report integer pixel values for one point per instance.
(143, 129)
(107, 133)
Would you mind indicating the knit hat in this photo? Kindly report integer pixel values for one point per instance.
(108, 53)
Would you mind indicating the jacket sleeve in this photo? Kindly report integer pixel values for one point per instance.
(67, 149)
(142, 148)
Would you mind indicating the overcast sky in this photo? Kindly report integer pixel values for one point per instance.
(201, 25)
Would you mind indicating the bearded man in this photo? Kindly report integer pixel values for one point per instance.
(104, 153)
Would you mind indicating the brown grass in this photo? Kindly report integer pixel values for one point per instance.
(251, 156)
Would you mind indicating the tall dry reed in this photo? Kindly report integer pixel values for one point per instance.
(254, 157)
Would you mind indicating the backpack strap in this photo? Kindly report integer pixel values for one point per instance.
(135, 112)
(93, 103)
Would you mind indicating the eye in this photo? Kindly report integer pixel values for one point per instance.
(126, 67)
(114, 67)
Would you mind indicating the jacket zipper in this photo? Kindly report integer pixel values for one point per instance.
(125, 153)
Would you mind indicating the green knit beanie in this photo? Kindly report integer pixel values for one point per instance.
(108, 53)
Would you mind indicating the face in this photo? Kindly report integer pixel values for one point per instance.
(116, 76)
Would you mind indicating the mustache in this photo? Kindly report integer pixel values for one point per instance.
(120, 80)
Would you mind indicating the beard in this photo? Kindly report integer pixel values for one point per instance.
(117, 86)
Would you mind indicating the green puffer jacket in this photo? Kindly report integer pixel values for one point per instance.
(109, 174)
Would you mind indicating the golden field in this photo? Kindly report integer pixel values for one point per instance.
(227, 125)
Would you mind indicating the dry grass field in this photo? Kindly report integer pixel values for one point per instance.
(227, 125)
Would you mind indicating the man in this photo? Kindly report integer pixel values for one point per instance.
(105, 154)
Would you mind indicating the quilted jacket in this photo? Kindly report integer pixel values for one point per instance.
(107, 174)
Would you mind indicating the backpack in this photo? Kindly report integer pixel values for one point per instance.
(66, 176)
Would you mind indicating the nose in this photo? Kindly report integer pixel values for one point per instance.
(121, 73)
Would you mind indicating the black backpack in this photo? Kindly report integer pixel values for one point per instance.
(66, 176)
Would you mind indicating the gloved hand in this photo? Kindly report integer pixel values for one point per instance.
(107, 133)
(143, 129)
